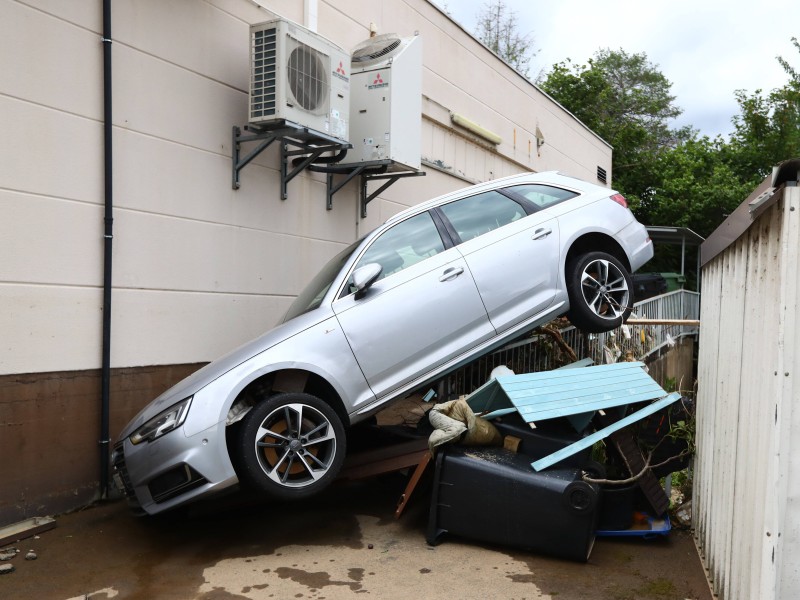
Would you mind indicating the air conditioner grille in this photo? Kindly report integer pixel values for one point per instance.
(262, 84)
(376, 50)
(308, 77)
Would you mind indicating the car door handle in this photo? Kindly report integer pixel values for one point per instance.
(541, 233)
(451, 273)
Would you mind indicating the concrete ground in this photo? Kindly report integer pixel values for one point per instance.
(344, 543)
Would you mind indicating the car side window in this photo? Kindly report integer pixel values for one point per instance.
(482, 213)
(542, 196)
(407, 243)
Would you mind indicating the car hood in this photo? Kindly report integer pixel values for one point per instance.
(213, 370)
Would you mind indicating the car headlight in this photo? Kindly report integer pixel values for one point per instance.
(162, 423)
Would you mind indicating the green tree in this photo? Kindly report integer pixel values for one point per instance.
(696, 186)
(767, 130)
(627, 101)
(498, 29)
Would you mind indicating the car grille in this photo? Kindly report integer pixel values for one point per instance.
(123, 481)
(175, 482)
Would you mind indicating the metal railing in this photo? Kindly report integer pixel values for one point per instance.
(543, 351)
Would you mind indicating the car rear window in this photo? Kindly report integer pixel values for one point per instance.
(542, 196)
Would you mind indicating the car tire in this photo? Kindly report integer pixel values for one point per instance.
(291, 445)
(600, 291)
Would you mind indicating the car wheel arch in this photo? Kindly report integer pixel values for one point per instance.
(590, 242)
(285, 380)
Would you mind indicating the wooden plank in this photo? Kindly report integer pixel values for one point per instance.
(589, 440)
(626, 445)
(687, 322)
(25, 529)
(384, 460)
(412, 484)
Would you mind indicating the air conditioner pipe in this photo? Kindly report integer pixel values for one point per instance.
(347, 169)
(107, 254)
(323, 159)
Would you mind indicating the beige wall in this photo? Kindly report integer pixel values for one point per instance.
(199, 267)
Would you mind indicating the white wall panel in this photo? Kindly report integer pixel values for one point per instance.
(746, 484)
(49, 328)
(50, 241)
(193, 35)
(49, 152)
(158, 176)
(187, 327)
(203, 265)
(88, 15)
(159, 252)
(40, 50)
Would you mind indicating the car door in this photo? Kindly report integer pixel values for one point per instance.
(423, 311)
(512, 255)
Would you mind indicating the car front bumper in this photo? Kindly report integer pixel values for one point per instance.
(173, 469)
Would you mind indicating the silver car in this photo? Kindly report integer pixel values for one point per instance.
(431, 289)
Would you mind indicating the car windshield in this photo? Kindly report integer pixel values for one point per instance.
(311, 297)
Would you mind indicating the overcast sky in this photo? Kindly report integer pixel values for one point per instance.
(706, 48)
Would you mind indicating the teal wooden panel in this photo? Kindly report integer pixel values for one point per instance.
(574, 393)
(489, 397)
(589, 440)
(609, 388)
(551, 411)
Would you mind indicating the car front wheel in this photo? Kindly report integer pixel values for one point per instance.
(600, 292)
(291, 445)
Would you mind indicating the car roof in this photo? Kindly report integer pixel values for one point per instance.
(549, 177)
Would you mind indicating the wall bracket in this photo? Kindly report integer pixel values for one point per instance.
(368, 171)
(295, 141)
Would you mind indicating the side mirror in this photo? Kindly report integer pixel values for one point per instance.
(364, 277)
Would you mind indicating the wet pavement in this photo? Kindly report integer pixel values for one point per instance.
(344, 543)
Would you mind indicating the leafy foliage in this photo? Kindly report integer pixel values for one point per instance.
(497, 28)
(626, 100)
(673, 176)
(767, 130)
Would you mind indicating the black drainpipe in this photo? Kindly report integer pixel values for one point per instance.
(109, 226)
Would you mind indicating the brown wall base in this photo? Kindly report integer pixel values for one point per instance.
(49, 432)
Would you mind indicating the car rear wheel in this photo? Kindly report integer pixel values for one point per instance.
(600, 292)
(291, 445)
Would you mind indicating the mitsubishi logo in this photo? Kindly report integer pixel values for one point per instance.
(340, 72)
(378, 82)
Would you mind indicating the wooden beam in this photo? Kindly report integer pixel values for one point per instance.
(687, 322)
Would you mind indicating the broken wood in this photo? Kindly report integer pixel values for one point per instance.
(384, 460)
(412, 484)
(25, 529)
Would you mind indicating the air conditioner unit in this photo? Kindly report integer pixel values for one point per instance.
(299, 76)
(386, 101)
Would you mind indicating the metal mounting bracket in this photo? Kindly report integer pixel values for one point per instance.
(369, 170)
(305, 142)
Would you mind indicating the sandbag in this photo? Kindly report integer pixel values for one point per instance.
(454, 421)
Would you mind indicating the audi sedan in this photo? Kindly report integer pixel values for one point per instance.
(433, 288)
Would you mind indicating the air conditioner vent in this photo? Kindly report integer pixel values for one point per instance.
(376, 47)
(308, 79)
(262, 89)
